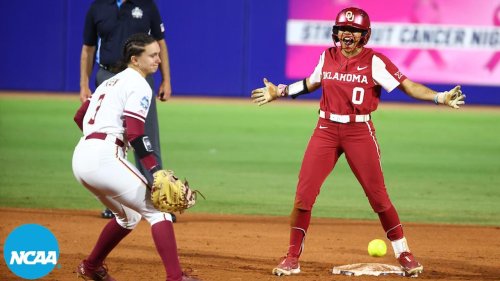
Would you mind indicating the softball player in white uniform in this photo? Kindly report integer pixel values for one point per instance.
(102, 166)
(111, 120)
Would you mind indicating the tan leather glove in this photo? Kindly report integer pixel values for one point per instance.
(169, 194)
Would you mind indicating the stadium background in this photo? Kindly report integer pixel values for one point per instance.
(441, 165)
(224, 46)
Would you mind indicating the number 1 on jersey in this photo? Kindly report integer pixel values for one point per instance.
(92, 120)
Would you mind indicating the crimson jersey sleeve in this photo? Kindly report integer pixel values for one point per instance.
(135, 128)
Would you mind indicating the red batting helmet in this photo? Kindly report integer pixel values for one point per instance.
(353, 17)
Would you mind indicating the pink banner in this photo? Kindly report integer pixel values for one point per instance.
(431, 41)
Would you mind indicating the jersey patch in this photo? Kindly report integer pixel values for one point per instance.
(145, 103)
(137, 13)
(398, 75)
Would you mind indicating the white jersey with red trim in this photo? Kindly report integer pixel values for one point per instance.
(100, 162)
(353, 85)
(125, 94)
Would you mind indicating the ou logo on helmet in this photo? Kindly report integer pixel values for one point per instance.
(31, 251)
(349, 15)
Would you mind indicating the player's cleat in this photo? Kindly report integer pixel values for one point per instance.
(186, 277)
(174, 217)
(99, 274)
(189, 278)
(289, 265)
(107, 214)
(409, 264)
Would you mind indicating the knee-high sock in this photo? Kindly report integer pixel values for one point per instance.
(164, 238)
(110, 236)
(299, 223)
(391, 224)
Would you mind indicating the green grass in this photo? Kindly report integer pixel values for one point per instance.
(439, 165)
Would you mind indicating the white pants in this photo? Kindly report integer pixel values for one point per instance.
(101, 166)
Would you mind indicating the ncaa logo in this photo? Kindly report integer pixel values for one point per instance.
(31, 251)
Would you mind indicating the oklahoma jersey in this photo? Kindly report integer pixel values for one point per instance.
(125, 94)
(353, 85)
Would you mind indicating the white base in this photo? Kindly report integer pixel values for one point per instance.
(373, 269)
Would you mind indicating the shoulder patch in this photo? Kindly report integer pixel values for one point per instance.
(145, 103)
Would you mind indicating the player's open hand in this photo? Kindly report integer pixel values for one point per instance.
(453, 98)
(266, 94)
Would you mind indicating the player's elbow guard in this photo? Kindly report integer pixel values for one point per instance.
(144, 151)
(142, 146)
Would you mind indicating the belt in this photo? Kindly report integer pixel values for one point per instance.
(350, 118)
(109, 68)
(105, 67)
(104, 136)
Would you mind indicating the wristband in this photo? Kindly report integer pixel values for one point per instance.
(436, 98)
(298, 88)
(281, 90)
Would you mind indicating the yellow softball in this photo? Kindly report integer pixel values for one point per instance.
(377, 248)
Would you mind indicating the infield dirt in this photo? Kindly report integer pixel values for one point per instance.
(224, 247)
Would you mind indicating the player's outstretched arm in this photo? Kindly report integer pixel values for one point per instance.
(453, 98)
(271, 92)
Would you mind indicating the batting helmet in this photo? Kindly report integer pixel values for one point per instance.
(353, 17)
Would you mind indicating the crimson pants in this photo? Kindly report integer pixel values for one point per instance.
(328, 142)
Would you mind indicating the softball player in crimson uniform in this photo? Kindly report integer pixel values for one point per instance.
(112, 119)
(351, 77)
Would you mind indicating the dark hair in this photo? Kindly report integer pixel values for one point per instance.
(134, 46)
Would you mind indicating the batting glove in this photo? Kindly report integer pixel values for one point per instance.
(266, 94)
(452, 98)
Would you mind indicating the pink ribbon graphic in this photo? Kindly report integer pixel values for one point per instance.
(427, 12)
(496, 56)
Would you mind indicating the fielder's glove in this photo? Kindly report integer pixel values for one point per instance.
(267, 94)
(452, 98)
(169, 194)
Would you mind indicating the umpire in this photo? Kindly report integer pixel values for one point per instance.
(108, 24)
